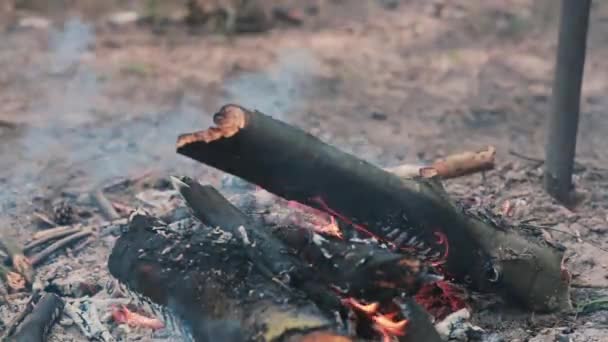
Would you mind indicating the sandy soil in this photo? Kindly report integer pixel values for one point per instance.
(93, 102)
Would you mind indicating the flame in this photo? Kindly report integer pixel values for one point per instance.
(386, 325)
(320, 221)
(123, 315)
(369, 309)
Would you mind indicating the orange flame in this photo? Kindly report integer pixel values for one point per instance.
(369, 309)
(321, 222)
(123, 315)
(386, 325)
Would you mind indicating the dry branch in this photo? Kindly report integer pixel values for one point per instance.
(295, 165)
(55, 234)
(452, 166)
(104, 205)
(45, 253)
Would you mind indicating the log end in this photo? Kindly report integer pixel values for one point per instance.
(229, 120)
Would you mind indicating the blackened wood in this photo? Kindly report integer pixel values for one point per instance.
(563, 121)
(297, 166)
(37, 324)
(210, 207)
(204, 276)
(362, 270)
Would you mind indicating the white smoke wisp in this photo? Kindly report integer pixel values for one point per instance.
(278, 90)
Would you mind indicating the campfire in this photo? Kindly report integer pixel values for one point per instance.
(332, 248)
(304, 243)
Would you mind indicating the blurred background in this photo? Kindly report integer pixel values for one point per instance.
(92, 91)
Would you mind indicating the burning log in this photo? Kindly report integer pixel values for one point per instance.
(206, 277)
(296, 166)
(452, 166)
(36, 325)
(203, 276)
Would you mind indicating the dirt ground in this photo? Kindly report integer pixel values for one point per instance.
(84, 102)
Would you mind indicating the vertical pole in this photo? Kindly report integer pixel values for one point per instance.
(565, 102)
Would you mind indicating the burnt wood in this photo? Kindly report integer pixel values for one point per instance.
(36, 325)
(295, 165)
(204, 277)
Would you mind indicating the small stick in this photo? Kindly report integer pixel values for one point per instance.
(127, 181)
(122, 207)
(44, 218)
(44, 234)
(82, 244)
(36, 326)
(51, 236)
(39, 257)
(453, 166)
(104, 205)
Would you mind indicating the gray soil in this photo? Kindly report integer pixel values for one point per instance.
(91, 102)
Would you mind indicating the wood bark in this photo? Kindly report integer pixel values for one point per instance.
(563, 121)
(295, 165)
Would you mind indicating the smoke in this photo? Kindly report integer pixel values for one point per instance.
(72, 135)
(278, 90)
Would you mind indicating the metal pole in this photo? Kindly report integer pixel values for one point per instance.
(565, 103)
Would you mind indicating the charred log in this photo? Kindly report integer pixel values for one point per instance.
(297, 166)
(37, 324)
(204, 277)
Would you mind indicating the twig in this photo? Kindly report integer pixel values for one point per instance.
(82, 244)
(527, 158)
(43, 234)
(44, 218)
(105, 205)
(126, 181)
(588, 286)
(575, 236)
(122, 207)
(456, 165)
(39, 257)
(59, 233)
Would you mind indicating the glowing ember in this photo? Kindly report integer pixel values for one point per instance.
(385, 324)
(357, 226)
(442, 239)
(319, 221)
(123, 315)
(440, 299)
